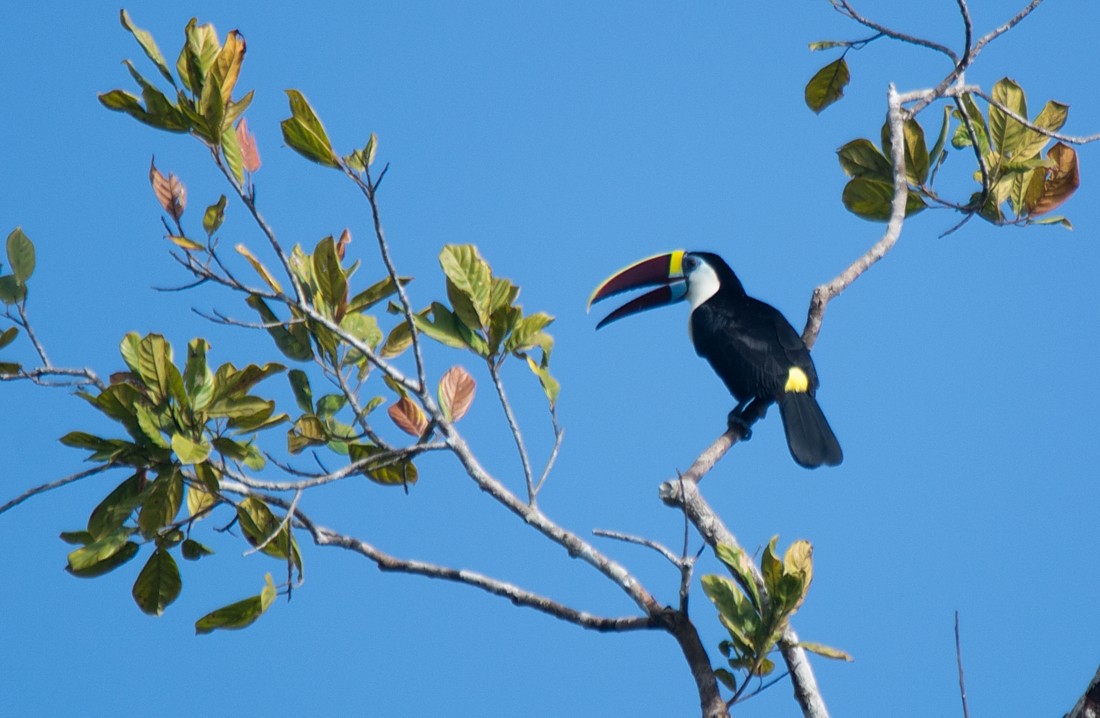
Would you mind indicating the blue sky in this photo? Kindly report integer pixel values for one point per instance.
(566, 140)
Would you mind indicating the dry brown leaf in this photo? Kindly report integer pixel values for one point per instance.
(250, 153)
(456, 392)
(1060, 181)
(408, 416)
(170, 192)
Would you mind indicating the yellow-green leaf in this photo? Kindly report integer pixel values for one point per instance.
(158, 584)
(240, 614)
(305, 134)
(20, 255)
(827, 85)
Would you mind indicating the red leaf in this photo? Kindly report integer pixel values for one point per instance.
(343, 242)
(408, 416)
(456, 392)
(249, 152)
(170, 192)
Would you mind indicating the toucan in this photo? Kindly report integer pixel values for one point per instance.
(751, 346)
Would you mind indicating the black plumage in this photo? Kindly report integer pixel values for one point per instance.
(754, 350)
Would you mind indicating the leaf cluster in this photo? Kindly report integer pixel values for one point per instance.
(183, 429)
(756, 616)
(200, 102)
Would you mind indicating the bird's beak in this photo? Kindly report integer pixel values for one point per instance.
(663, 269)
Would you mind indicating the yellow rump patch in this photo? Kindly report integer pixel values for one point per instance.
(797, 381)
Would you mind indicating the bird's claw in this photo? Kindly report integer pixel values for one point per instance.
(737, 423)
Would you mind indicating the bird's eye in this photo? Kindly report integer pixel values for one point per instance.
(690, 263)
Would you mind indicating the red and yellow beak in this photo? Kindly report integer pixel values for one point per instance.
(661, 269)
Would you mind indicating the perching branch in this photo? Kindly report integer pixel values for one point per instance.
(825, 293)
(685, 495)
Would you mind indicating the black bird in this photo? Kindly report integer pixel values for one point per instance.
(754, 350)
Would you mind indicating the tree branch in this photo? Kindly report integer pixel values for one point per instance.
(54, 485)
(685, 494)
(825, 293)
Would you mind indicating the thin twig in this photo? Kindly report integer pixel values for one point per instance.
(845, 8)
(54, 485)
(1071, 139)
(517, 435)
(648, 543)
(959, 661)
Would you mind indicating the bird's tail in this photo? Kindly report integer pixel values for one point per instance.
(809, 437)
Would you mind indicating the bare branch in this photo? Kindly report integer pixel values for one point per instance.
(825, 293)
(520, 597)
(54, 485)
(648, 543)
(1016, 19)
(959, 661)
(845, 8)
(82, 377)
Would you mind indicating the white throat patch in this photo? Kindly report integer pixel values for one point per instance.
(702, 284)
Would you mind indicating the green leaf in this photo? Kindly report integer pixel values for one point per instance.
(861, 158)
(213, 217)
(154, 366)
(1007, 134)
(871, 199)
(916, 152)
(240, 614)
(528, 334)
(374, 294)
(826, 651)
(826, 45)
(331, 281)
(388, 472)
(198, 380)
(738, 562)
(86, 557)
(471, 276)
(305, 134)
(397, 341)
(259, 524)
(158, 584)
(113, 511)
(189, 451)
(231, 151)
(108, 563)
(1052, 117)
(12, 290)
(193, 550)
(443, 327)
(727, 678)
(293, 342)
(161, 503)
(827, 85)
(937, 148)
(363, 327)
(307, 431)
(8, 336)
(159, 111)
(148, 45)
(76, 538)
(303, 393)
(20, 255)
(550, 385)
(8, 368)
(962, 138)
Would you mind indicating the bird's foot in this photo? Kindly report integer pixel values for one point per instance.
(737, 423)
